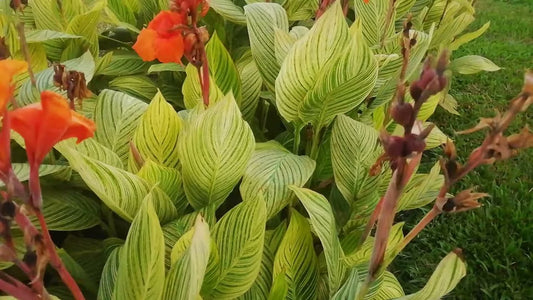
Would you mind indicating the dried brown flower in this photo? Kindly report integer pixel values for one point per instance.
(4, 49)
(71, 81)
(465, 200)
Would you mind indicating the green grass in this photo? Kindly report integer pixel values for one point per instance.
(497, 239)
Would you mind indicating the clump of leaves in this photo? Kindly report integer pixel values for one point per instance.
(292, 137)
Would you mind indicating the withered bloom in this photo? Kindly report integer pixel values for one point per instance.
(465, 200)
(18, 4)
(4, 49)
(71, 81)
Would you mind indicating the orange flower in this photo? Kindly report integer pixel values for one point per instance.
(162, 39)
(8, 69)
(42, 125)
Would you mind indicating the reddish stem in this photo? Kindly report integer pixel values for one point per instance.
(386, 218)
(434, 212)
(205, 76)
(55, 260)
(19, 290)
(322, 9)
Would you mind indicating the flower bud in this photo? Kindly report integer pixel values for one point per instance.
(394, 146)
(414, 143)
(415, 90)
(402, 113)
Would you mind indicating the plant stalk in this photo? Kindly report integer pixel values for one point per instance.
(19, 291)
(55, 260)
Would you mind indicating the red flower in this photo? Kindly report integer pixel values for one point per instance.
(9, 68)
(162, 39)
(42, 125)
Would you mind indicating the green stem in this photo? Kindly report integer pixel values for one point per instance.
(315, 144)
(296, 144)
(264, 116)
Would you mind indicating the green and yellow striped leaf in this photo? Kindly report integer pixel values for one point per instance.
(422, 189)
(214, 148)
(39, 36)
(467, 37)
(86, 25)
(192, 90)
(229, 11)
(280, 288)
(141, 271)
(138, 86)
(270, 171)
(22, 171)
(471, 64)
(261, 287)
(117, 116)
(222, 71)
(373, 18)
(296, 260)
(184, 280)
(240, 236)
(384, 287)
(156, 137)
(308, 59)
(109, 275)
(363, 253)
(390, 288)
(327, 72)
(92, 149)
(121, 191)
(251, 85)
(299, 10)
(28, 94)
(122, 11)
(446, 276)
(168, 180)
(263, 21)
(69, 210)
(323, 223)
(354, 149)
(47, 15)
(124, 63)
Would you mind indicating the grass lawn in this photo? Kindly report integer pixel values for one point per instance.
(497, 239)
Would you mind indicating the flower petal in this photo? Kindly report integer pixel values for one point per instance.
(145, 45)
(54, 120)
(80, 127)
(165, 22)
(169, 49)
(9, 68)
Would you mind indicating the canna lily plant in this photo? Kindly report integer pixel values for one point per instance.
(187, 150)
